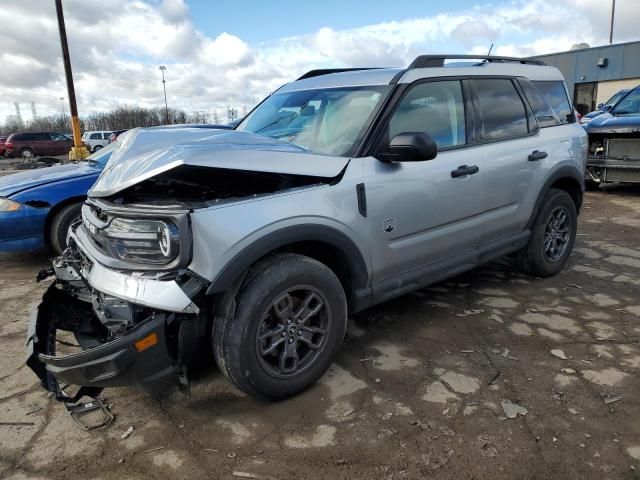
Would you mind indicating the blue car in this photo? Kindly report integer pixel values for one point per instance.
(38, 206)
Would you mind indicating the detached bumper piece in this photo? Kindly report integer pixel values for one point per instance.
(139, 357)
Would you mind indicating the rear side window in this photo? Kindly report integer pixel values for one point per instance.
(436, 108)
(556, 96)
(542, 110)
(41, 137)
(501, 109)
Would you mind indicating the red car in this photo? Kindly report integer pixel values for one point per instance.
(2, 139)
(29, 145)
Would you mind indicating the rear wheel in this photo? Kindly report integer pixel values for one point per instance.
(552, 236)
(290, 319)
(60, 225)
(27, 153)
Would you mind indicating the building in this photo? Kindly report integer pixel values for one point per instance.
(594, 74)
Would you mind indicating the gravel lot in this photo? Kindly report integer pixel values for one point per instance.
(416, 392)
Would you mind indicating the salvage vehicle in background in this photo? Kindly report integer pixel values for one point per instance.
(603, 107)
(378, 182)
(3, 138)
(115, 134)
(94, 141)
(614, 142)
(30, 145)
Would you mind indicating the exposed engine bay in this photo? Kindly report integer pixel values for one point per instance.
(614, 157)
(197, 186)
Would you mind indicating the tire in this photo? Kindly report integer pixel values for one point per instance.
(96, 148)
(591, 186)
(253, 360)
(27, 153)
(60, 225)
(539, 258)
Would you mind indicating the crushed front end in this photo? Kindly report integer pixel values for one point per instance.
(122, 309)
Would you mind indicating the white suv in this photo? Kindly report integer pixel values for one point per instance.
(96, 140)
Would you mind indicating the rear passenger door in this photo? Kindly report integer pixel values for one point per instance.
(506, 134)
(424, 215)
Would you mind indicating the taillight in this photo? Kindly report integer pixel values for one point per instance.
(8, 145)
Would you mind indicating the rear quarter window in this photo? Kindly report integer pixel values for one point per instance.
(556, 96)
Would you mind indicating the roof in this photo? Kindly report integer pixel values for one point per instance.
(384, 76)
(598, 47)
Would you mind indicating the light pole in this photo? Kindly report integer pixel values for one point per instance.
(62, 104)
(613, 12)
(164, 87)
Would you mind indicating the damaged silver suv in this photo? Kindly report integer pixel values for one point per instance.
(339, 191)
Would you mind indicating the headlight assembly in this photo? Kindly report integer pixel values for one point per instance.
(7, 205)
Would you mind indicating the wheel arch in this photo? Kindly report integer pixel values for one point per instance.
(565, 178)
(326, 244)
(53, 211)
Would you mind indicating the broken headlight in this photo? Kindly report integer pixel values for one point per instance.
(143, 240)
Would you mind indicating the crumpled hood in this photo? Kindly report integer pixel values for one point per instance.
(20, 181)
(608, 123)
(145, 153)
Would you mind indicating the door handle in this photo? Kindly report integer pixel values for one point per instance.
(537, 155)
(463, 170)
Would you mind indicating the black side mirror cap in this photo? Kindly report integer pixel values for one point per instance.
(409, 147)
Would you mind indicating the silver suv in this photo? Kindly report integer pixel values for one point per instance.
(339, 191)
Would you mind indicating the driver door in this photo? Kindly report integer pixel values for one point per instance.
(425, 216)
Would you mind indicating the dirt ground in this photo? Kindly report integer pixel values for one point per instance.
(417, 391)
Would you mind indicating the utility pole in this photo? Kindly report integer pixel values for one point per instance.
(62, 104)
(78, 151)
(33, 110)
(164, 87)
(613, 12)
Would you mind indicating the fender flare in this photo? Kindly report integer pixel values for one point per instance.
(566, 171)
(356, 264)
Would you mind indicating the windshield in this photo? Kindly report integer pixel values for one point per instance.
(630, 104)
(329, 121)
(102, 156)
(612, 101)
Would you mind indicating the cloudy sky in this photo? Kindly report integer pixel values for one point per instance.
(234, 52)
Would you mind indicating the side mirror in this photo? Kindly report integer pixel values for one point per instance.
(605, 108)
(599, 106)
(410, 147)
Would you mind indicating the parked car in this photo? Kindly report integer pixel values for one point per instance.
(37, 206)
(340, 191)
(115, 134)
(603, 107)
(3, 138)
(94, 141)
(30, 145)
(614, 142)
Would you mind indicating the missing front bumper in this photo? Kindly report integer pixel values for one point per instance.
(101, 363)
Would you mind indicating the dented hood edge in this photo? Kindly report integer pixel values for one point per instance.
(145, 153)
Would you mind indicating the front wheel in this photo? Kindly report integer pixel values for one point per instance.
(96, 148)
(289, 322)
(552, 236)
(60, 224)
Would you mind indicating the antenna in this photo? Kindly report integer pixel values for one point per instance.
(490, 48)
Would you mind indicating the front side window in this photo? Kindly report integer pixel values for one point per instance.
(56, 137)
(501, 109)
(41, 137)
(630, 104)
(556, 96)
(95, 136)
(328, 121)
(436, 108)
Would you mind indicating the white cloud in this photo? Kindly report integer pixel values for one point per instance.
(116, 48)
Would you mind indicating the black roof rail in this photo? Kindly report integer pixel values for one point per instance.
(427, 61)
(326, 71)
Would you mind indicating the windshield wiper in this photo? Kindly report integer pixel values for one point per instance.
(276, 121)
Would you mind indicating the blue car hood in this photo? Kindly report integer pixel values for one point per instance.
(608, 123)
(20, 181)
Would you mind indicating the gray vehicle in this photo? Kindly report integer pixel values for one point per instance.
(341, 190)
